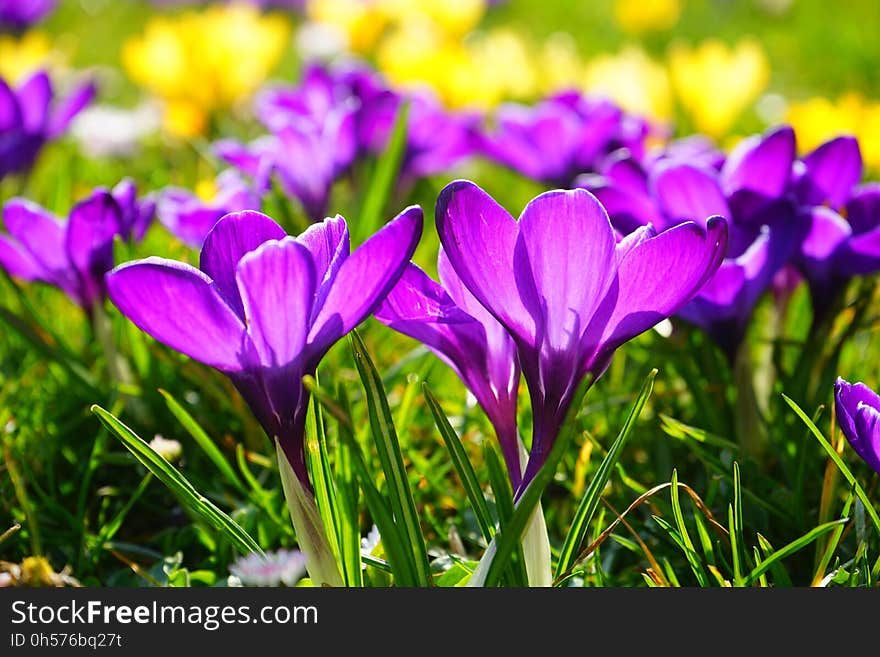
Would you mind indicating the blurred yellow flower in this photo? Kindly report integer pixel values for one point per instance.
(19, 57)
(633, 80)
(715, 83)
(559, 64)
(360, 22)
(638, 16)
(818, 119)
(201, 62)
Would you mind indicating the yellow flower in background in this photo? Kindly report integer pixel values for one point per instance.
(560, 64)
(818, 119)
(633, 80)
(19, 57)
(715, 83)
(359, 22)
(201, 62)
(638, 16)
(452, 17)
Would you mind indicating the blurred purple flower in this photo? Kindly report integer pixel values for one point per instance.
(842, 218)
(858, 414)
(561, 137)
(18, 15)
(456, 327)
(567, 318)
(30, 116)
(750, 188)
(265, 307)
(190, 218)
(73, 256)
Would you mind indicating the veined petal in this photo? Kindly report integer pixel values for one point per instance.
(234, 235)
(568, 243)
(688, 193)
(328, 242)
(177, 305)
(834, 168)
(760, 164)
(868, 431)
(365, 278)
(479, 238)
(277, 286)
(660, 275)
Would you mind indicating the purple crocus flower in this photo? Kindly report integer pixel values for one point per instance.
(190, 218)
(306, 156)
(264, 307)
(73, 256)
(858, 414)
(18, 15)
(826, 184)
(561, 137)
(750, 188)
(456, 327)
(136, 214)
(564, 288)
(30, 116)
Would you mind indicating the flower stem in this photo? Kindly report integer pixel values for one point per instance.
(310, 533)
(750, 431)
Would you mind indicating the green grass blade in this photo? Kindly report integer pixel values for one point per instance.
(388, 449)
(462, 466)
(318, 463)
(835, 457)
(833, 542)
(691, 553)
(791, 548)
(347, 498)
(516, 574)
(384, 176)
(203, 440)
(177, 483)
(590, 501)
(737, 538)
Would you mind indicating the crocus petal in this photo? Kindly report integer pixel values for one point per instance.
(328, 242)
(365, 278)
(479, 237)
(834, 168)
(688, 193)
(760, 164)
(68, 108)
(177, 305)
(868, 431)
(91, 227)
(230, 239)
(863, 208)
(846, 399)
(34, 97)
(10, 114)
(560, 231)
(38, 231)
(687, 255)
(277, 286)
(18, 262)
(828, 231)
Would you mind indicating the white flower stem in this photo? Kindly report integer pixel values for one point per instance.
(310, 533)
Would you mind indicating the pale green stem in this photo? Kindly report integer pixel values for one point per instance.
(535, 545)
(117, 366)
(750, 430)
(310, 533)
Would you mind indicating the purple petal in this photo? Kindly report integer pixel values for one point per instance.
(559, 232)
(328, 242)
(688, 193)
(828, 231)
(627, 210)
(10, 114)
(177, 305)
(833, 169)
(687, 255)
(68, 108)
(92, 225)
(625, 173)
(365, 278)
(863, 208)
(18, 262)
(34, 97)
(479, 238)
(230, 239)
(760, 164)
(868, 429)
(39, 232)
(276, 282)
